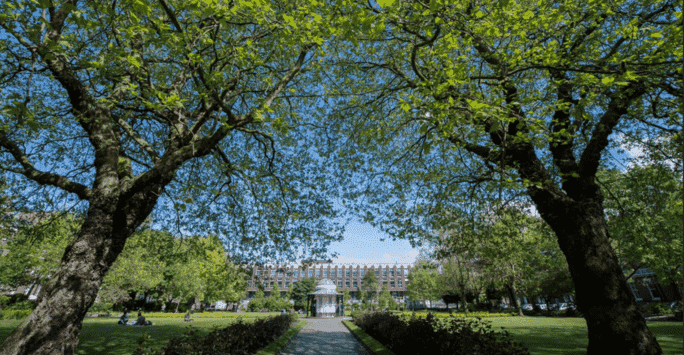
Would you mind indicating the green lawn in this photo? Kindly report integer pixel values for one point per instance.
(101, 336)
(555, 336)
(542, 335)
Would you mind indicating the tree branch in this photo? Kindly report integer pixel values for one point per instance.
(617, 107)
(41, 177)
(133, 135)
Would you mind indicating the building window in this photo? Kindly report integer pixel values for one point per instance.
(363, 272)
(296, 273)
(355, 273)
(392, 284)
(287, 283)
(310, 272)
(318, 273)
(347, 284)
(339, 273)
(635, 291)
(652, 289)
(392, 273)
(325, 273)
(346, 273)
(273, 273)
(280, 284)
(399, 283)
(280, 274)
(355, 284)
(339, 284)
(384, 274)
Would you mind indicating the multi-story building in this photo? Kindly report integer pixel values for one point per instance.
(646, 288)
(345, 276)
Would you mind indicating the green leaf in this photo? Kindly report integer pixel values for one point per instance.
(608, 80)
(385, 3)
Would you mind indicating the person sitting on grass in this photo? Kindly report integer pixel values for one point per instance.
(124, 318)
(141, 320)
(187, 317)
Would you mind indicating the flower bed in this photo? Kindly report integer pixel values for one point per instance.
(430, 335)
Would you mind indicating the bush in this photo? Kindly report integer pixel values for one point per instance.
(4, 300)
(21, 306)
(256, 305)
(430, 335)
(657, 309)
(101, 307)
(15, 314)
(238, 338)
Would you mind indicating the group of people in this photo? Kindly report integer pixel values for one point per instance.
(141, 320)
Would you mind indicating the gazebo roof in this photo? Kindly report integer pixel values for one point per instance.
(325, 287)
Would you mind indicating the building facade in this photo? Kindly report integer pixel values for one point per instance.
(646, 288)
(344, 276)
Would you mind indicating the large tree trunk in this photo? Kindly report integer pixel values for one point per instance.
(615, 324)
(55, 324)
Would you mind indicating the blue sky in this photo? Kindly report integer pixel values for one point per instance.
(362, 244)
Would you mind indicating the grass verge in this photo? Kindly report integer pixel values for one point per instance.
(371, 344)
(568, 336)
(276, 346)
(102, 336)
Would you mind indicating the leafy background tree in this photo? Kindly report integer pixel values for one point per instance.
(370, 284)
(35, 245)
(644, 209)
(423, 284)
(301, 291)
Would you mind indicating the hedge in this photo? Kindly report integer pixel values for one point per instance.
(15, 314)
(429, 335)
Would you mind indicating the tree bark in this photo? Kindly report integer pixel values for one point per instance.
(55, 324)
(514, 299)
(615, 324)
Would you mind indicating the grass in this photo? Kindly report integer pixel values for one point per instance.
(102, 336)
(568, 336)
(373, 345)
(279, 344)
(542, 335)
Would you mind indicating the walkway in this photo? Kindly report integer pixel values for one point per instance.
(324, 337)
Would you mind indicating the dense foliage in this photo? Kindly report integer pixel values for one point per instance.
(236, 339)
(429, 335)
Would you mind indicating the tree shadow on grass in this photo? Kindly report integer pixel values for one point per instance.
(551, 340)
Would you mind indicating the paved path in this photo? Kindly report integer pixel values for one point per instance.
(324, 337)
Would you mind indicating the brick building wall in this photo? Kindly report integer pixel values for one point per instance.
(349, 276)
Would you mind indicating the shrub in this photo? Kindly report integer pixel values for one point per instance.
(101, 307)
(238, 338)
(429, 335)
(657, 309)
(4, 300)
(20, 306)
(15, 314)
(256, 304)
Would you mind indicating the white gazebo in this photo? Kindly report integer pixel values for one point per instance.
(326, 302)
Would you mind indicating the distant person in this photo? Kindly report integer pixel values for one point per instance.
(141, 320)
(187, 317)
(124, 318)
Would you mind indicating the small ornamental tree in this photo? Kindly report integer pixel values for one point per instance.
(370, 284)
